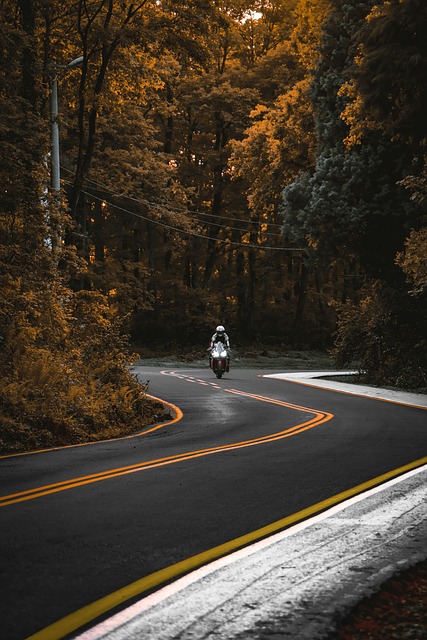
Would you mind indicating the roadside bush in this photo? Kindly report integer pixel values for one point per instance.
(385, 336)
(65, 376)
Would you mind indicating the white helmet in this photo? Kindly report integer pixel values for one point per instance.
(220, 329)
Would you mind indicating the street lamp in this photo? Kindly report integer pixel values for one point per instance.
(54, 123)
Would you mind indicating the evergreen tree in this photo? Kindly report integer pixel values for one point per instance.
(353, 205)
(350, 204)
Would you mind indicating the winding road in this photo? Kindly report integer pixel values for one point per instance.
(88, 529)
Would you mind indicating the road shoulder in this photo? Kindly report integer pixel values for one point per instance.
(321, 379)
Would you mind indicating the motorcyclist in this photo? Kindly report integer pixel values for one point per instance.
(220, 336)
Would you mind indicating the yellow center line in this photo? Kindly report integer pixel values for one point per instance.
(37, 492)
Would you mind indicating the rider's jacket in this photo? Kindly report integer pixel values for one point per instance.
(224, 339)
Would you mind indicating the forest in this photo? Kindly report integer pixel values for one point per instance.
(170, 165)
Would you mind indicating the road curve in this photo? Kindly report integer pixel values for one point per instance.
(81, 523)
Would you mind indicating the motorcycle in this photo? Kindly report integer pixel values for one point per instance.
(219, 359)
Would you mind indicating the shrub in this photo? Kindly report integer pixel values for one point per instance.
(385, 336)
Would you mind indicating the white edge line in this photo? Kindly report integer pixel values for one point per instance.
(121, 618)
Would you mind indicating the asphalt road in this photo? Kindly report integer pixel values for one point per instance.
(247, 451)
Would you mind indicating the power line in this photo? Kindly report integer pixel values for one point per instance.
(191, 218)
(189, 233)
(184, 212)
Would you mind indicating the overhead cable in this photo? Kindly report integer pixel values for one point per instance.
(181, 211)
(190, 233)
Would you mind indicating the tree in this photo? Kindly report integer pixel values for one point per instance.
(59, 382)
(385, 335)
(305, 38)
(342, 206)
(277, 147)
(353, 206)
(389, 73)
(262, 28)
(413, 260)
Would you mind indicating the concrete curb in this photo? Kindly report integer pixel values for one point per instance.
(317, 379)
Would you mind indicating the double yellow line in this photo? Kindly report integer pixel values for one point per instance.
(38, 492)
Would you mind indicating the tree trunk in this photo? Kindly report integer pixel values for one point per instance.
(98, 232)
(240, 291)
(301, 291)
(167, 147)
(28, 86)
(220, 142)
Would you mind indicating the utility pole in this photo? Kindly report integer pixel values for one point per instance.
(55, 176)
